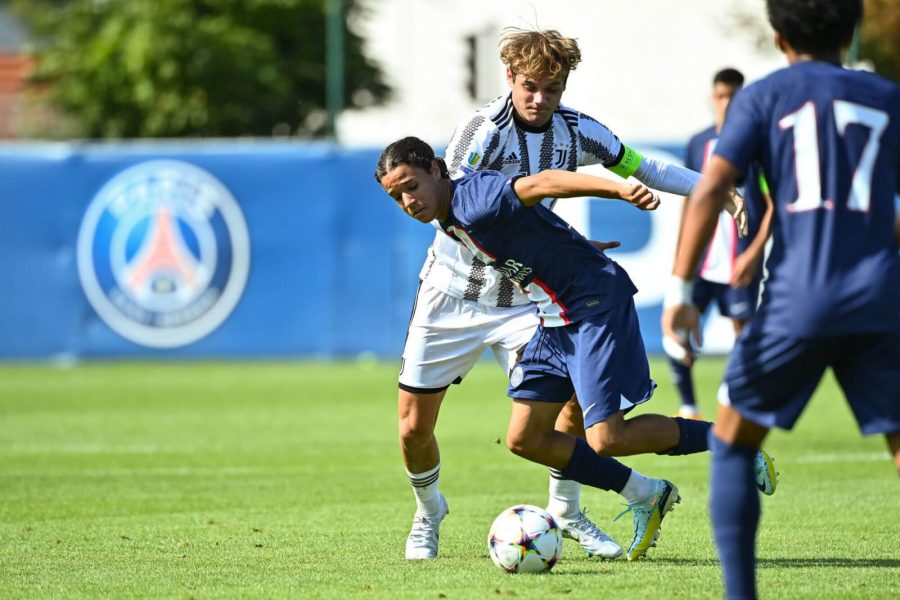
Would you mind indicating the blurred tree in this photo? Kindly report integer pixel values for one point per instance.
(172, 68)
(879, 37)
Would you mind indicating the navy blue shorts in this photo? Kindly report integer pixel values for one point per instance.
(770, 378)
(601, 359)
(736, 303)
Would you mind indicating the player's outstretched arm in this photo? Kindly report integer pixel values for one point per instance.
(667, 177)
(566, 184)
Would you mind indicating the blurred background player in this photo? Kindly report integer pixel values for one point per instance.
(828, 139)
(729, 272)
(463, 308)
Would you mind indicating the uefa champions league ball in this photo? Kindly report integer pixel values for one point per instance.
(525, 539)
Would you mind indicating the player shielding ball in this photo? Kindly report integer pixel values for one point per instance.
(463, 307)
(828, 141)
(588, 342)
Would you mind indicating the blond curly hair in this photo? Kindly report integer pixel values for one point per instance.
(541, 54)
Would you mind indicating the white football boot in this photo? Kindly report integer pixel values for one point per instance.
(422, 542)
(592, 539)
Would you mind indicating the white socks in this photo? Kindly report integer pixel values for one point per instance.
(688, 410)
(425, 488)
(638, 487)
(565, 498)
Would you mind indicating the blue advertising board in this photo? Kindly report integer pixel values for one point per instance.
(234, 249)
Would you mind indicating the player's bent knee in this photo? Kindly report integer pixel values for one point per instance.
(607, 443)
(521, 445)
(415, 432)
(515, 444)
(417, 417)
(600, 446)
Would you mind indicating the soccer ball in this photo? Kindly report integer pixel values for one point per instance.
(525, 539)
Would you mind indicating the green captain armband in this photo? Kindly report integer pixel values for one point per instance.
(630, 162)
(763, 184)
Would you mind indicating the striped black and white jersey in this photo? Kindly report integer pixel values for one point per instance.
(494, 139)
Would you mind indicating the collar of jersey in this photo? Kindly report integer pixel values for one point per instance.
(531, 128)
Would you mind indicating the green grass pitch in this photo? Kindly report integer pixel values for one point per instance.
(283, 480)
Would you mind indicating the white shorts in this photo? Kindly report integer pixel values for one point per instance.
(447, 336)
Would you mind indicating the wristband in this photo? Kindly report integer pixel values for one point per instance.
(678, 291)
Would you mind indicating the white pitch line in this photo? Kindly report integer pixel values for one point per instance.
(157, 471)
(89, 448)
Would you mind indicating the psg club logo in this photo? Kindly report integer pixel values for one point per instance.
(163, 253)
(515, 378)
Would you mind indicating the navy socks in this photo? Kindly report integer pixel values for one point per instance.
(589, 468)
(693, 437)
(681, 377)
(734, 510)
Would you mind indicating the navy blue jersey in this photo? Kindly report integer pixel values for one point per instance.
(828, 140)
(559, 270)
(717, 265)
(700, 147)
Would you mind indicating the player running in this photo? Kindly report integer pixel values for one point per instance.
(463, 308)
(828, 140)
(588, 341)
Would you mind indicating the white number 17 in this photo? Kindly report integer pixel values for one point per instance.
(806, 153)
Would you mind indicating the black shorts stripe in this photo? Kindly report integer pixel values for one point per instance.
(417, 390)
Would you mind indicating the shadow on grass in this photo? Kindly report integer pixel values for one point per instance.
(590, 566)
(791, 563)
(850, 563)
